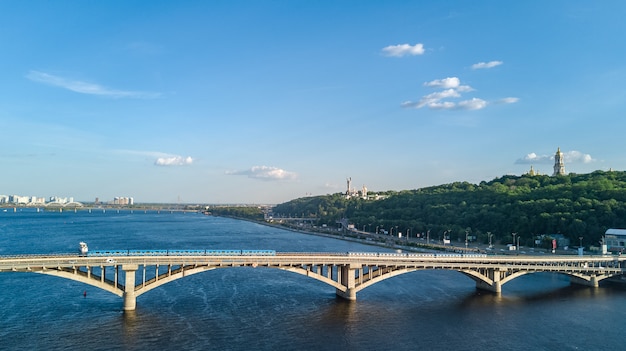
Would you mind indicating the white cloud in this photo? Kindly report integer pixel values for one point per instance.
(442, 94)
(173, 161)
(507, 100)
(568, 157)
(409, 104)
(484, 65)
(534, 158)
(403, 50)
(266, 173)
(452, 89)
(577, 157)
(161, 158)
(450, 82)
(472, 104)
(87, 88)
(446, 105)
(433, 98)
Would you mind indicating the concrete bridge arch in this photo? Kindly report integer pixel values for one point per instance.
(363, 279)
(348, 273)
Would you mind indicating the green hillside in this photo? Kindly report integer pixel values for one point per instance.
(575, 205)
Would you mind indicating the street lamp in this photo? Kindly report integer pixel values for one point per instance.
(581, 241)
(466, 233)
(514, 234)
(490, 235)
(428, 236)
(517, 247)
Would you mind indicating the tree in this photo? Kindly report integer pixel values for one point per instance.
(574, 205)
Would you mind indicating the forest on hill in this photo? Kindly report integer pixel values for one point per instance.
(574, 205)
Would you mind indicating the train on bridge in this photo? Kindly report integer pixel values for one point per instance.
(104, 253)
(414, 254)
(84, 251)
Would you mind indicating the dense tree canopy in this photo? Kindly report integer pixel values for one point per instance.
(246, 212)
(575, 205)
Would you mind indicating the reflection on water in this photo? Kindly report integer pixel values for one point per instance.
(485, 298)
(130, 324)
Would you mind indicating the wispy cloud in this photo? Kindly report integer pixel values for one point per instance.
(432, 99)
(507, 100)
(439, 100)
(86, 87)
(161, 158)
(568, 157)
(265, 173)
(447, 83)
(442, 100)
(472, 104)
(533, 158)
(485, 65)
(173, 161)
(403, 50)
(577, 157)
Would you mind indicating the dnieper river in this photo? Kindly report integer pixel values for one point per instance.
(270, 309)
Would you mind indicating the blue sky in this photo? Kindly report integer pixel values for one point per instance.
(267, 101)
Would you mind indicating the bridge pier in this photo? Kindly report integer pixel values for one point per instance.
(592, 282)
(346, 276)
(130, 300)
(496, 281)
(496, 287)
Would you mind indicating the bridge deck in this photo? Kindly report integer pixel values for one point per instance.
(12, 263)
(348, 273)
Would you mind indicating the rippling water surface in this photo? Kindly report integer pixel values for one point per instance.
(269, 309)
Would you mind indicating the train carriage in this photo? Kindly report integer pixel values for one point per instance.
(177, 252)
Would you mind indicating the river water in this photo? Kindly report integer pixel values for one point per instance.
(269, 309)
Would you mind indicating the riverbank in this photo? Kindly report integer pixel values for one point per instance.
(371, 239)
(410, 244)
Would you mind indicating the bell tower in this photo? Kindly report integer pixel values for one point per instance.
(559, 164)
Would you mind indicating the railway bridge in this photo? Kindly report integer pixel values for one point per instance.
(130, 276)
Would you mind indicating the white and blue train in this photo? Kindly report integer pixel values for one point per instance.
(415, 254)
(102, 253)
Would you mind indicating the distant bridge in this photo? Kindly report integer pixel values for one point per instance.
(55, 204)
(349, 273)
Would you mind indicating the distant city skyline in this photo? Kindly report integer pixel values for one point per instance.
(264, 102)
(33, 200)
